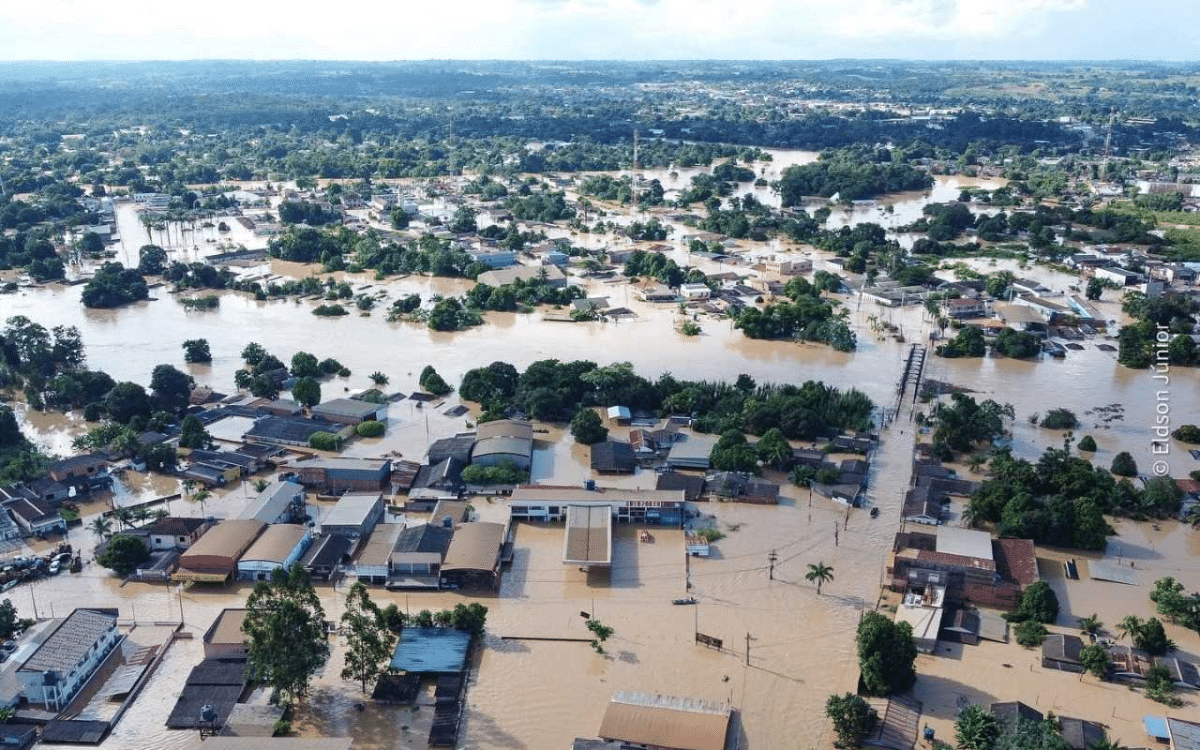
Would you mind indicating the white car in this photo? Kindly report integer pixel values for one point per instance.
(54, 568)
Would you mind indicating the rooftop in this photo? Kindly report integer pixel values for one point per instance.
(271, 503)
(71, 641)
(378, 549)
(475, 546)
(581, 496)
(588, 538)
(665, 722)
(228, 538)
(343, 464)
(227, 628)
(964, 542)
(347, 407)
(175, 526)
(613, 456)
(430, 650)
(512, 428)
(352, 509)
(327, 551)
(276, 543)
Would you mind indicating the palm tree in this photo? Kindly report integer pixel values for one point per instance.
(123, 516)
(200, 497)
(140, 514)
(819, 572)
(1090, 625)
(378, 378)
(101, 527)
(1130, 626)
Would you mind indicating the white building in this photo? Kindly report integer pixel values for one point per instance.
(276, 503)
(694, 291)
(278, 547)
(67, 658)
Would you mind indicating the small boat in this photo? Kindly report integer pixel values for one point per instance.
(874, 512)
(688, 600)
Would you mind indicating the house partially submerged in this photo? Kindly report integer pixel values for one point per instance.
(279, 502)
(354, 516)
(986, 572)
(66, 659)
(587, 542)
(214, 557)
(276, 548)
(545, 503)
(1061, 651)
(336, 476)
(224, 639)
(670, 723)
(611, 457)
(504, 441)
(473, 557)
(691, 452)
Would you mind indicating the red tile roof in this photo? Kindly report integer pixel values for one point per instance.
(961, 561)
(1016, 560)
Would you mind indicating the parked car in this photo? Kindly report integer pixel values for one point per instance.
(54, 568)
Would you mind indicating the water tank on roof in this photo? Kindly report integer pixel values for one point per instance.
(589, 485)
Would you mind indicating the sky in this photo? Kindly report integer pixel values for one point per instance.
(600, 29)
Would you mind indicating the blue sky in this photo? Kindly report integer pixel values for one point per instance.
(602, 29)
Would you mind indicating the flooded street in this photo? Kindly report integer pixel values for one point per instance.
(530, 694)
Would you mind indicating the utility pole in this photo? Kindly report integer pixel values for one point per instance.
(835, 534)
(771, 558)
(748, 649)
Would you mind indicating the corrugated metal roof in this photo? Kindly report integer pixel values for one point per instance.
(272, 501)
(70, 641)
(514, 446)
(227, 628)
(229, 538)
(588, 538)
(475, 546)
(276, 543)
(665, 722)
(504, 428)
(353, 509)
(348, 407)
(964, 542)
(431, 650)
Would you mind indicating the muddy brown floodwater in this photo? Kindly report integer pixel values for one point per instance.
(539, 694)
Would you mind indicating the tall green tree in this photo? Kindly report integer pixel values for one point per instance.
(285, 629)
(774, 449)
(853, 718)
(886, 654)
(192, 433)
(1095, 660)
(976, 729)
(307, 392)
(196, 350)
(588, 428)
(171, 388)
(123, 554)
(9, 621)
(368, 642)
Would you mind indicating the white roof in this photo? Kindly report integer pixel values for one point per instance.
(965, 542)
(351, 510)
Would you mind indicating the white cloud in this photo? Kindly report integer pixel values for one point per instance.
(531, 29)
